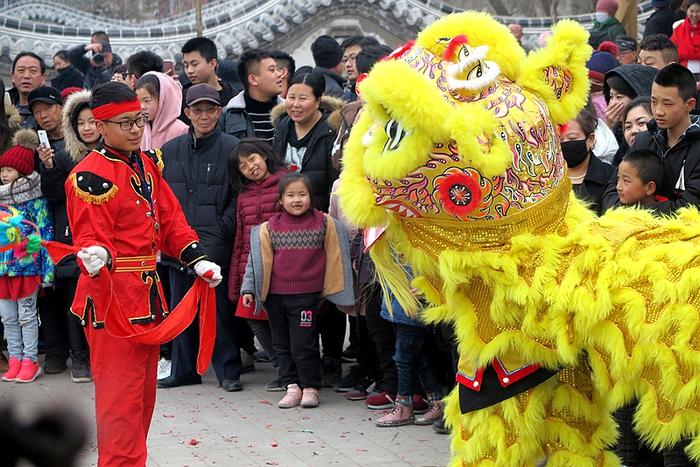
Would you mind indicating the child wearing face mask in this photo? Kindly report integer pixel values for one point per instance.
(26, 267)
(297, 257)
(161, 101)
(588, 174)
(255, 171)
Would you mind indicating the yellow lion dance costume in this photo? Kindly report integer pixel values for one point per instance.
(561, 315)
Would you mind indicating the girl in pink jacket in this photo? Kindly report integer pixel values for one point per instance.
(161, 101)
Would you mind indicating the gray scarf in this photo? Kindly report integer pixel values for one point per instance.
(23, 189)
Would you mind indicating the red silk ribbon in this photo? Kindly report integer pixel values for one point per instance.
(200, 298)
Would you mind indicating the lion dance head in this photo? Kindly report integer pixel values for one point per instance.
(458, 144)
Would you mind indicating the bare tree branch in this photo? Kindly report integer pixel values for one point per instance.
(553, 10)
(499, 7)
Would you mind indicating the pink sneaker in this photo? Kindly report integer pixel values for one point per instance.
(12, 370)
(399, 416)
(432, 415)
(309, 398)
(292, 398)
(29, 372)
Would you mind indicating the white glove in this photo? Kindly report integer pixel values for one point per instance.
(203, 267)
(94, 258)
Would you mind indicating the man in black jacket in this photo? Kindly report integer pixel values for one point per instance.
(674, 135)
(197, 171)
(28, 73)
(98, 68)
(61, 331)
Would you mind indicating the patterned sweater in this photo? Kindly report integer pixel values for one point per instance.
(299, 261)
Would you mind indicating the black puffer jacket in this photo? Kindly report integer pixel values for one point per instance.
(660, 22)
(316, 163)
(52, 187)
(67, 78)
(683, 157)
(197, 171)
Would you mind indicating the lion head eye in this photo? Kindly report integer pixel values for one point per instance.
(395, 134)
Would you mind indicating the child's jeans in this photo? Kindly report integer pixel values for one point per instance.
(21, 326)
(295, 338)
(412, 360)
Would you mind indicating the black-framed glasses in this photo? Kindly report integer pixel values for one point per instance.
(126, 125)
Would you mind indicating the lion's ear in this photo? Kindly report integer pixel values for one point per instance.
(558, 74)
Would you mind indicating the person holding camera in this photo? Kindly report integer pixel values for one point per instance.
(98, 67)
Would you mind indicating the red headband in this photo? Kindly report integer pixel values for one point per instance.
(107, 111)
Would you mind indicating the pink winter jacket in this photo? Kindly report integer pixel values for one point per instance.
(165, 125)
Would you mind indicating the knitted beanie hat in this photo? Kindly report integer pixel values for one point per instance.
(326, 52)
(20, 156)
(609, 46)
(608, 6)
(599, 64)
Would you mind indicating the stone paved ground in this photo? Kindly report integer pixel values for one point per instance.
(205, 426)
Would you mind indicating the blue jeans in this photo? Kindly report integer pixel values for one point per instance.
(21, 326)
(412, 360)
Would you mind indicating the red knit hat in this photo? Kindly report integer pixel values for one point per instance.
(610, 47)
(68, 91)
(609, 6)
(21, 155)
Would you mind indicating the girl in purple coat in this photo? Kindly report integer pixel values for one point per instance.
(255, 170)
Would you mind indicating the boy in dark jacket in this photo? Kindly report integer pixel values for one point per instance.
(674, 135)
(196, 170)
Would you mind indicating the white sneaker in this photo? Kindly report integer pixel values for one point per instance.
(164, 367)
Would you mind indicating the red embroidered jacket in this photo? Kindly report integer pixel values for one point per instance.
(122, 203)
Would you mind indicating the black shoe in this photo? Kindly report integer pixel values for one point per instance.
(351, 379)
(332, 372)
(275, 386)
(231, 385)
(261, 356)
(440, 428)
(80, 368)
(54, 365)
(172, 382)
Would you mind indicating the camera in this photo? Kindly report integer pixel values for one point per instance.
(98, 59)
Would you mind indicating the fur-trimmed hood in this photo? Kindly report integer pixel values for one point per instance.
(74, 145)
(14, 121)
(328, 106)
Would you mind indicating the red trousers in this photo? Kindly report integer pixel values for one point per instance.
(125, 374)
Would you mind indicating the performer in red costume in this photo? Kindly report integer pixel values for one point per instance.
(122, 213)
